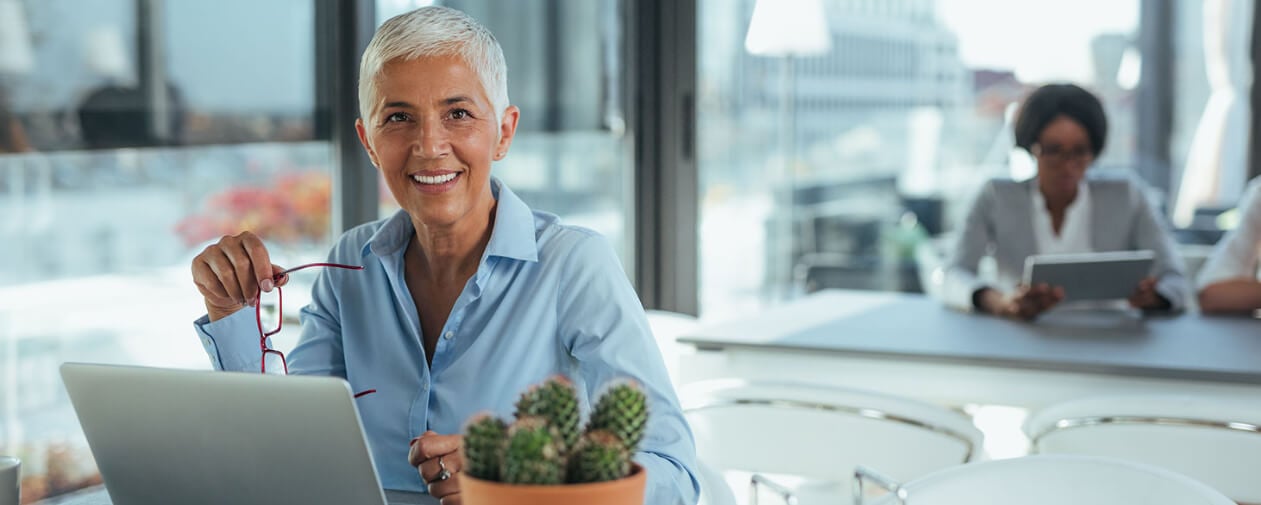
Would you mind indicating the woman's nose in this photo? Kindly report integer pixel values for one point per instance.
(431, 142)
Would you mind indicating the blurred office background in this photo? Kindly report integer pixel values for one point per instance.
(732, 169)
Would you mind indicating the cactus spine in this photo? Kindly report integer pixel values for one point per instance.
(598, 457)
(533, 453)
(557, 401)
(623, 411)
(484, 442)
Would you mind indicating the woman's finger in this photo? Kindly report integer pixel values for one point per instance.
(259, 258)
(444, 488)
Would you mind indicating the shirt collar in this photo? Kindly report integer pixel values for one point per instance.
(512, 236)
(1082, 201)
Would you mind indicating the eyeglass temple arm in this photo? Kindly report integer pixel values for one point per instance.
(862, 473)
(309, 265)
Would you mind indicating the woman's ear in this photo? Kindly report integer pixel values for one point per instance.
(363, 139)
(507, 131)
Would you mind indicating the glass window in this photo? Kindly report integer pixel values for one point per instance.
(571, 156)
(829, 169)
(132, 133)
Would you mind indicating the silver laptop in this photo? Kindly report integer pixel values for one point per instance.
(163, 436)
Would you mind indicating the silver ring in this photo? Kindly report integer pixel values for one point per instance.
(443, 474)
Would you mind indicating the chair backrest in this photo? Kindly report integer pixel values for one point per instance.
(1213, 440)
(820, 432)
(1056, 480)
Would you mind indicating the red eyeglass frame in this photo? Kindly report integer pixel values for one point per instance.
(258, 314)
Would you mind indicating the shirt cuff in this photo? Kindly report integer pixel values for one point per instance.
(1173, 292)
(231, 343)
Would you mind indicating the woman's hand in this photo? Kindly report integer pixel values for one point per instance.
(230, 274)
(1145, 296)
(438, 459)
(1027, 303)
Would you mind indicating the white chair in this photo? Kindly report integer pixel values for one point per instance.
(802, 441)
(1213, 440)
(714, 489)
(1043, 480)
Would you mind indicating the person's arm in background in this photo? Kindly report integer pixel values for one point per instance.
(1150, 232)
(603, 323)
(1227, 281)
(962, 289)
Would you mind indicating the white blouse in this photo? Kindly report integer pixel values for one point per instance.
(1074, 236)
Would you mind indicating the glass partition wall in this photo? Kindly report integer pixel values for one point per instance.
(132, 134)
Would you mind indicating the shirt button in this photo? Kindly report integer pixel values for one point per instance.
(449, 335)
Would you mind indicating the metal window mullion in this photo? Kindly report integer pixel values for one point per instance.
(343, 30)
(1156, 95)
(666, 172)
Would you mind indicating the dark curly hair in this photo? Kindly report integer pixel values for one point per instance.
(1052, 100)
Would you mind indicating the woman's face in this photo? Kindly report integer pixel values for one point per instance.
(433, 135)
(1064, 153)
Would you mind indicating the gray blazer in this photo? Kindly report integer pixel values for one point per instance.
(1001, 222)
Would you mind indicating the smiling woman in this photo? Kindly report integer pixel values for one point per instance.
(434, 142)
(467, 296)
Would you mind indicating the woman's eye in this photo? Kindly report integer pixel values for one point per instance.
(396, 117)
(459, 114)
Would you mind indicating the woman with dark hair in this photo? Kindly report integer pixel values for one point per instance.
(1060, 211)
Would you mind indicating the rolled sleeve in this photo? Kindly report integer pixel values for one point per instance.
(961, 282)
(1235, 256)
(1151, 232)
(231, 343)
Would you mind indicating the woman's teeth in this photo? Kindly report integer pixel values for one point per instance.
(436, 179)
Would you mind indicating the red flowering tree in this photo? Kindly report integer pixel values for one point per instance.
(294, 208)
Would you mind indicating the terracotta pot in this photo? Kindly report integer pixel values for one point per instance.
(627, 491)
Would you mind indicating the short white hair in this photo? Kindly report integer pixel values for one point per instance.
(435, 31)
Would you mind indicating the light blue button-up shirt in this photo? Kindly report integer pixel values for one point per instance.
(547, 298)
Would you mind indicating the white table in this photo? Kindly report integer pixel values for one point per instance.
(910, 345)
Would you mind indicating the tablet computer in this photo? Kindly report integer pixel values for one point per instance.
(1091, 276)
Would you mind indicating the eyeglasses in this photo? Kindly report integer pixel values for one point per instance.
(263, 334)
(1061, 154)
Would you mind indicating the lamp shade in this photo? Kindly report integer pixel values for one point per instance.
(788, 28)
(15, 40)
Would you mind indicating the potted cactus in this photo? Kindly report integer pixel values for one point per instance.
(546, 457)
